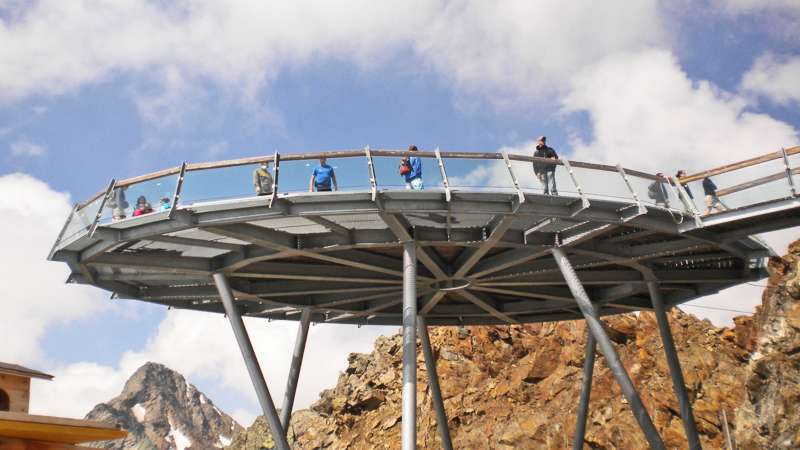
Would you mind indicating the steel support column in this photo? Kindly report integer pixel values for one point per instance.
(433, 382)
(610, 354)
(586, 390)
(250, 360)
(409, 418)
(294, 369)
(674, 367)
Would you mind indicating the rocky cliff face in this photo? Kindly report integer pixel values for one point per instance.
(770, 415)
(160, 410)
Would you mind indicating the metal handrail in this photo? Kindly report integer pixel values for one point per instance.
(373, 153)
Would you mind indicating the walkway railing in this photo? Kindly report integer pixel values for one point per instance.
(764, 178)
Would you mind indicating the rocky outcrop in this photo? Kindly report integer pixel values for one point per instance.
(770, 415)
(160, 410)
(518, 386)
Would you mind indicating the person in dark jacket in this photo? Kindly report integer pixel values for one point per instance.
(262, 179)
(658, 191)
(546, 173)
(712, 200)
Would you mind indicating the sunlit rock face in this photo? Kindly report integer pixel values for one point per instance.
(160, 410)
(514, 387)
(769, 416)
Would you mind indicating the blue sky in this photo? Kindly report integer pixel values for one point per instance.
(117, 91)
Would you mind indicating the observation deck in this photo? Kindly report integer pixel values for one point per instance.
(484, 233)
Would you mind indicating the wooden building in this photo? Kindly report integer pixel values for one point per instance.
(22, 431)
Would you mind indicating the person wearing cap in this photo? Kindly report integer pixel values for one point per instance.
(322, 177)
(262, 179)
(546, 173)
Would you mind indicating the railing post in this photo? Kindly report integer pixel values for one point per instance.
(640, 208)
(789, 175)
(445, 182)
(373, 181)
(176, 197)
(97, 216)
(63, 230)
(447, 194)
(520, 195)
(584, 201)
(276, 160)
(689, 202)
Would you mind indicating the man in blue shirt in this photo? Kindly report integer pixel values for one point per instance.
(414, 176)
(322, 177)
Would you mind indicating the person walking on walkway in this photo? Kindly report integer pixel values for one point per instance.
(323, 177)
(712, 200)
(546, 173)
(411, 170)
(262, 179)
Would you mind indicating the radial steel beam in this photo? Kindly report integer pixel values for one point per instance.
(612, 359)
(433, 382)
(678, 384)
(294, 369)
(250, 360)
(586, 391)
(409, 418)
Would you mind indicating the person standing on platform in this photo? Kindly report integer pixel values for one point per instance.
(546, 173)
(712, 200)
(411, 170)
(322, 177)
(262, 179)
(658, 191)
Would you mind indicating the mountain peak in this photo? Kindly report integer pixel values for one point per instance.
(161, 410)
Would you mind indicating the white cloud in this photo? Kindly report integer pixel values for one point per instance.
(775, 78)
(527, 50)
(26, 148)
(35, 297)
(646, 113)
(202, 346)
(509, 49)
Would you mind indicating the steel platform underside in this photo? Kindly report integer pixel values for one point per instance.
(484, 256)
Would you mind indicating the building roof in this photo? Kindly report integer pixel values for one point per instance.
(16, 369)
(56, 429)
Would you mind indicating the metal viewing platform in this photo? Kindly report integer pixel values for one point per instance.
(481, 244)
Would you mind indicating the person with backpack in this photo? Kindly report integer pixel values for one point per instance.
(546, 173)
(657, 191)
(712, 200)
(262, 179)
(323, 177)
(411, 170)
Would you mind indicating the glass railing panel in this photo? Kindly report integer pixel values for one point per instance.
(658, 192)
(387, 172)
(351, 174)
(141, 198)
(221, 183)
(602, 183)
(83, 218)
(753, 185)
(474, 173)
(529, 181)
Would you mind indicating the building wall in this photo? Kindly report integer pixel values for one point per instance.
(18, 390)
